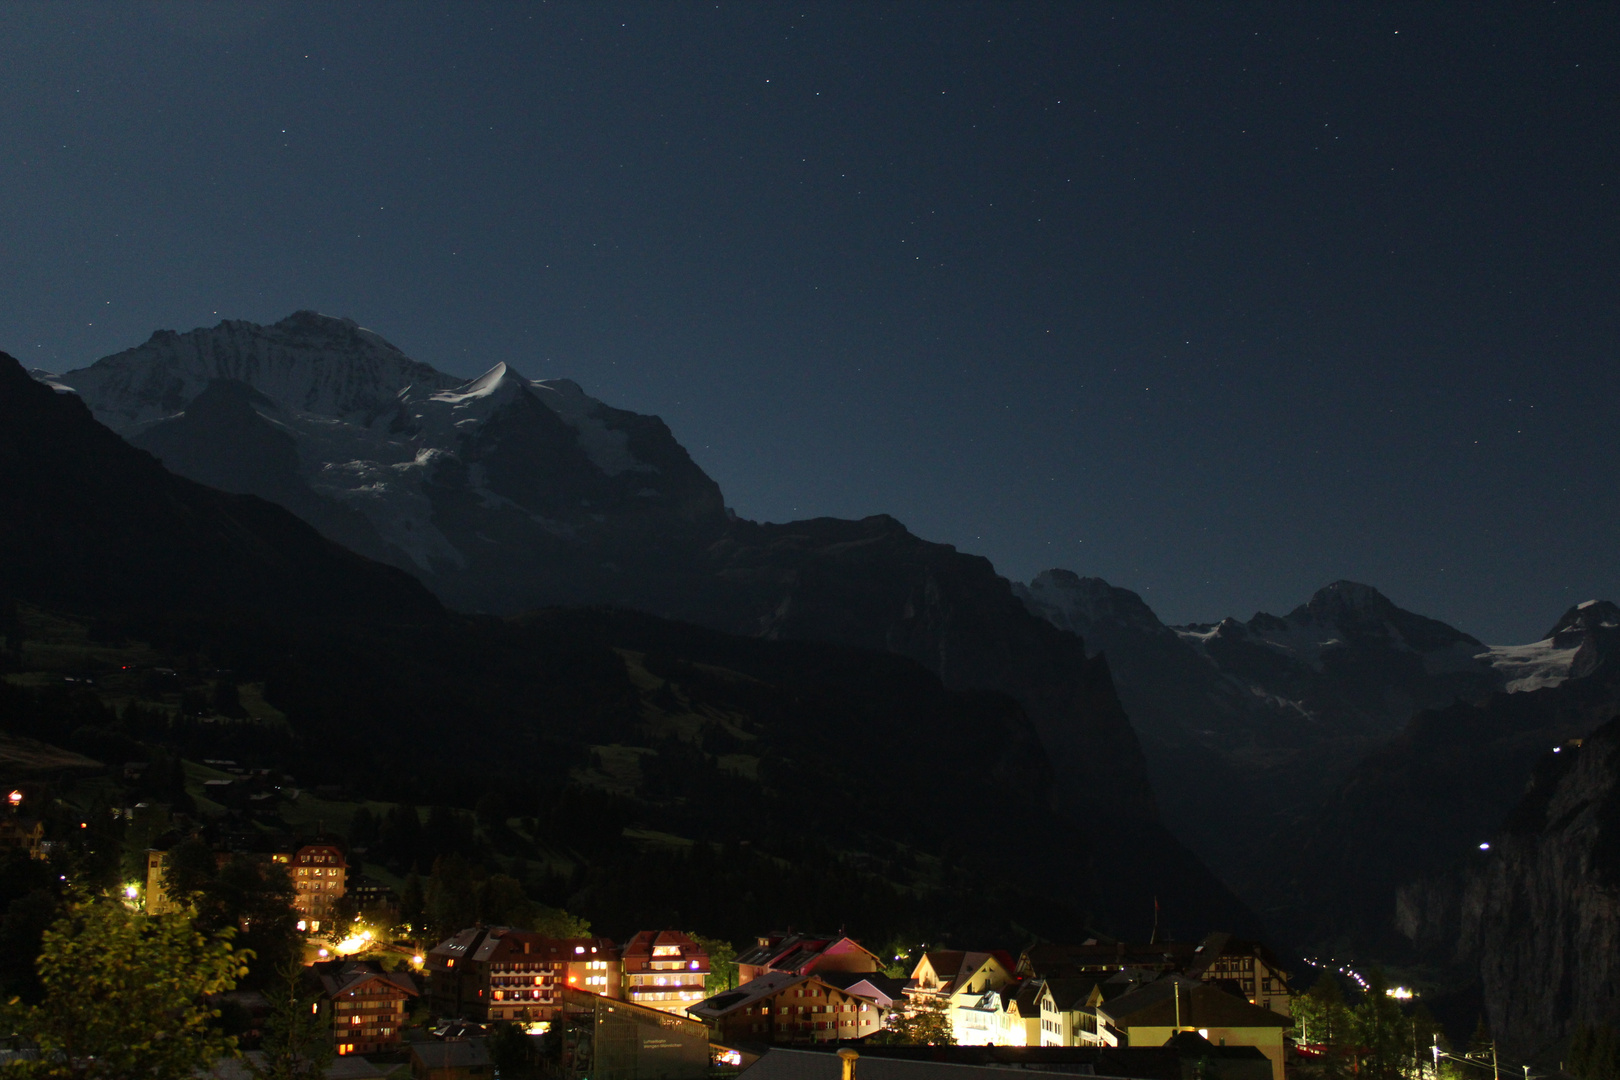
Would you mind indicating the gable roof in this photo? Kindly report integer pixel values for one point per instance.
(799, 952)
(452, 1053)
(956, 968)
(1219, 944)
(870, 985)
(1201, 1006)
(748, 993)
(1070, 994)
(341, 976)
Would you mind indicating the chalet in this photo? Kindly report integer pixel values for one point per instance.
(964, 984)
(1174, 1004)
(787, 1007)
(880, 990)
(801, 954)
(1247, 968)
(364, 1007)
(496, 973)
(663, 970)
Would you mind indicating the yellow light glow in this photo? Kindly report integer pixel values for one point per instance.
(131, 892)
(1399, 993)
(351, 945)
(418, 960)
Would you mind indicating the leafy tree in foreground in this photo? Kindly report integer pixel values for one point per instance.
(923, 1022)
(125, 995)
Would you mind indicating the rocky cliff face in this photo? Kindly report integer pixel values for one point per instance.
(1537, 915)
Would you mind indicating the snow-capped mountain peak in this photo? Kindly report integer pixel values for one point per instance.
(389, 455)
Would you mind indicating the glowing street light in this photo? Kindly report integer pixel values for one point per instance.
(15, 799)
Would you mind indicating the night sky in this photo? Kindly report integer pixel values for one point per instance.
(1220, 302)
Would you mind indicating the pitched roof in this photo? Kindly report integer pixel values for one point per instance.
(1201, 1006)
(955, 968)
(795, 952)
(452, 1053)
(865, 984)
(1069, 994)
(747, 994)
(341, 976)
(480, 943)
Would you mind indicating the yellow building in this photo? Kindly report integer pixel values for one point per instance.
(964, 984)
(1161, 1009)
(318, 873)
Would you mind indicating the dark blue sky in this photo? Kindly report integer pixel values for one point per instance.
(1218, 301)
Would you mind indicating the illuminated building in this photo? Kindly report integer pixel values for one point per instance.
(364, 1007)
(497, 973)
(1173, 1004)
(784, 1007)
(664, 970)
(317, 871)
(963, 983)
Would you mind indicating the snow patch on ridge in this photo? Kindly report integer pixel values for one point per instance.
(608, 449)
(1531, 667)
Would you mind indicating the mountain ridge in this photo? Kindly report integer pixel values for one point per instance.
(503, 494)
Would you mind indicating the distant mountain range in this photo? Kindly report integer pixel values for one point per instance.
(1287, 751)
(502, 494)
(1320, 759)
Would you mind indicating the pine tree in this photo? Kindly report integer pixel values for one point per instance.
(297, 1043)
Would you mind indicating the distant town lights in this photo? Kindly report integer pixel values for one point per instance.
(1399, 993)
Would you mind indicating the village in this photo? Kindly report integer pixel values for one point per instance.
(660, 1004)
(389, 990)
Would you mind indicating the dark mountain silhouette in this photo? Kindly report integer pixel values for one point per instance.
(88, 521)
(503, 494)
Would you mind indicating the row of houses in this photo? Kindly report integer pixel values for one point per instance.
(496, 973)
(799, 989)
(806, 989)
